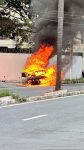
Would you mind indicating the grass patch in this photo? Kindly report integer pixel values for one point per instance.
(18, 99)
(68, 81)
(4, 93)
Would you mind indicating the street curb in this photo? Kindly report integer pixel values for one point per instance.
(6, 100)
(55, 94)
(50, 95)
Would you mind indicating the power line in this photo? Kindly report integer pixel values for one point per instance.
(65, 22)
(65, 17)
(56, 12)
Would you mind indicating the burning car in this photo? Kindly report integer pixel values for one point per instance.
(37, 71)
(34, 78)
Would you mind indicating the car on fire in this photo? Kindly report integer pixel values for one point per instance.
(34, 78)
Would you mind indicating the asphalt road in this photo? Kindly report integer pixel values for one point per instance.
(36, 91)
(46, 125)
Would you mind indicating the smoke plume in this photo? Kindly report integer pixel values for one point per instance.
(45, 20)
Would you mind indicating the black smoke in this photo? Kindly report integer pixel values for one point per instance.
(45, 20)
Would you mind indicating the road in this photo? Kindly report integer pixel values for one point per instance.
(46, 125)
(36, 90)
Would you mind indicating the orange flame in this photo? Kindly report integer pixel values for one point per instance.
(36, 67)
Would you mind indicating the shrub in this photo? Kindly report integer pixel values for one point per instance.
(19, 99)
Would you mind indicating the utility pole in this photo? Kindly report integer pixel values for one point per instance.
(59, 42)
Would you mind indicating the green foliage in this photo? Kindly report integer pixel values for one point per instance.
(18, 99)
(13, 3)
(68, 81)
(4, 93)
(10, 23)
(15, 21)
(17, 4)
(1, 2)
(7, 27)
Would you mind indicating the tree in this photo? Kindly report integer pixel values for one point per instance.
(1, 2)
(22, 6)
(15, 20)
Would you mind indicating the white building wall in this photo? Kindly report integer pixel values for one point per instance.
(74, 71)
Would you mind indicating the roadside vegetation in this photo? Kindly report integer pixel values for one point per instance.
(15, 99)
(4, 93)
(18, 99)
(73, 81)
(16, 23)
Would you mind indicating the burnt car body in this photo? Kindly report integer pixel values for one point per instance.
(33, 79)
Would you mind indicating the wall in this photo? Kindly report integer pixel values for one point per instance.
(74, 71)
(11, 66)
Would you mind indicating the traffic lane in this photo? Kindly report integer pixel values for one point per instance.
(64, 123)
(59, 107)
(28, 91)
(23, 91)
(46, 106)
(37, 90)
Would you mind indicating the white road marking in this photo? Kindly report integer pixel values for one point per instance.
(35, 117)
